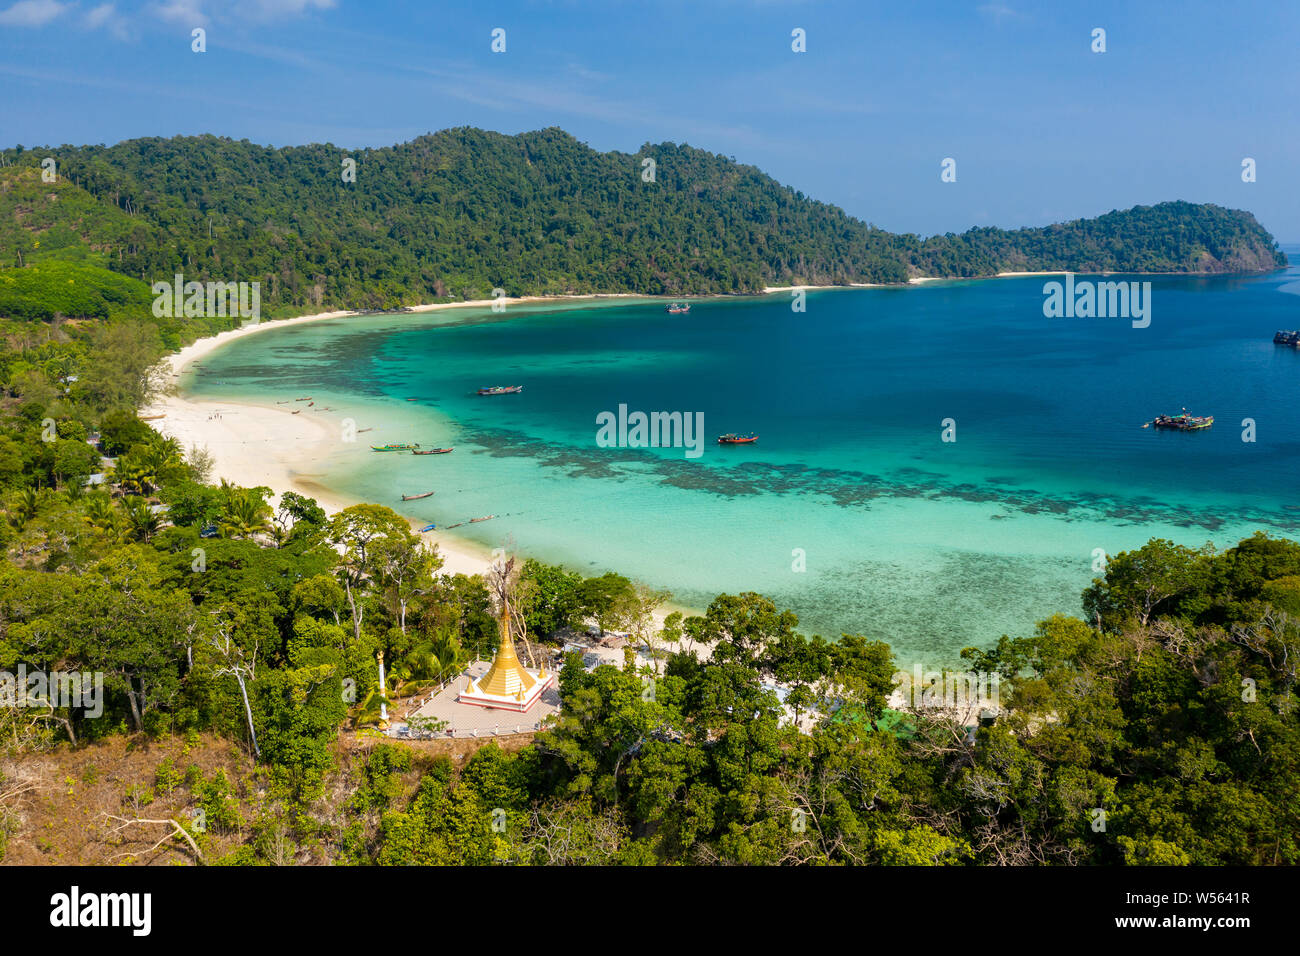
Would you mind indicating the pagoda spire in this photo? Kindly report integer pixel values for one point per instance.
(506, 677)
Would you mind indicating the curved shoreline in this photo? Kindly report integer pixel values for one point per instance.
(271, 446)
(261, 445)
(277, 446)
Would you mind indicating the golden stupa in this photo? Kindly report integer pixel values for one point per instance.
(507, 684)
(506, 677)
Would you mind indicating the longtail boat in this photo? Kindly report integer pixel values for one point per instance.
(501, 390)
(370, 429)
(679, 308)
(1183, 422)
(414, 497)
(431, 451)
(151, 418)
(484, 518)
(392, 446)
(730, 439)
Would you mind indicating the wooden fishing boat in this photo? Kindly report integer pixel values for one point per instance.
(679, 308)
(484, 518)
(370, 429)
(501, 390)
(1182, 423)
(151, 418)
(392, 446)
(415, 497)
(431, 451)
(730, 439)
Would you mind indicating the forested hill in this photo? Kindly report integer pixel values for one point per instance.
(460, 212)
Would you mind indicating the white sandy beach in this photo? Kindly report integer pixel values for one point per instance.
(915, 280)
(254, 445)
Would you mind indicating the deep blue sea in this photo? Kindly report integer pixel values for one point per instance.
(930, 545)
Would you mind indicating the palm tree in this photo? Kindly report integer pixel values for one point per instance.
(244, 513)
(164, 459)
(133, 477)
(144, 521)
(367, 711)
(25, 506)
(449, 656)
(101, 514)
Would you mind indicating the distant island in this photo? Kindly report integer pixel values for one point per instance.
(456, 214)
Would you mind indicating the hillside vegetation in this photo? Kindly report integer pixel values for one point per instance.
(238, 639)
(461, 212)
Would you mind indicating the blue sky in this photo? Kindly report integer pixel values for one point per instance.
(1042, 128)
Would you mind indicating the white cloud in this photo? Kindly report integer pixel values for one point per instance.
(279, 9)
(185, 13)
(106, 17)
(99, 16)
(999, 12)
(32, 13)
(191, 12)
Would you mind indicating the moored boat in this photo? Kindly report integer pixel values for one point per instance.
(431, 451)
(1287, 338)
(414, 497)
(501, 390)
(679, 308)
(484, 518)
(1183, 422)
(393, 446)
(732, 439)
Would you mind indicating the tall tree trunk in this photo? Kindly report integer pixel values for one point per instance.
(137, 717)
(248, 712)
(357, 613)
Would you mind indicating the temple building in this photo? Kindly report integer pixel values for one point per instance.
(507, 685)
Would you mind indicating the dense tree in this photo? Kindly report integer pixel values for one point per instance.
(460, 212)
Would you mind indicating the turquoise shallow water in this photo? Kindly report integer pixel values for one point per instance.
(930, 545)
